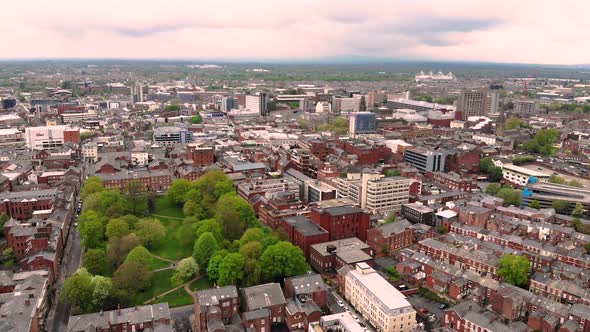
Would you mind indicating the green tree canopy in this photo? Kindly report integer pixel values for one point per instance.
(235, 214)
(488, 167)
(131, 278)
(78, 290)
(211, 226)
(95, 262)
(561, 206)
(511, 196)
(544, 142)
(535, 204)
(513, 123)
(117, 228)
(204, 248)
(393, 274)
(8, 257)
(172, 108)
(150, 232)
(282, 260)
(493, 188)
(231, 269)
(92, 233)
(118, 249)
(578, 209)
(252, 250)
(196, 119)
(186, 270)
(139, 255)
(254, 234)
(514, 269)
(102, 291)
(92, 185)
(178, 189)
(214, 262)
(136, 197)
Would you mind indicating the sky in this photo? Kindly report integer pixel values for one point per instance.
(517, 31)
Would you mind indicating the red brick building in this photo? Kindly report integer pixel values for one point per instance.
(20, 205)
(262, 306)
(200, 154)
(330, 256)
(303, 233)
(149, 180)
(342, 222)
(215, 307)
(455, 181)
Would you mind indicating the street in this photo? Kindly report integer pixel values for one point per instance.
(419, 302)
(333, 299)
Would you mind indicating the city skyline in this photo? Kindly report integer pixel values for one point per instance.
(502, 31)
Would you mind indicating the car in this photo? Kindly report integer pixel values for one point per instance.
(402, 287)
(361, 324)
(355, 316)
(424, 310)
(75, 224)
(340, 303)
(442, 306)
(346, 309)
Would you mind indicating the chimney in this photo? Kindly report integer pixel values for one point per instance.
(119, 309)
(101, 312)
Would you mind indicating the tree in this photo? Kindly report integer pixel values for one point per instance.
(511, 196)
(92, 185)
(544, 142)
(513, 123)
(150, 232)
(136, 197)
(535, 204)
(391, 218)
(117, 228)
(8, 257)
(393, 274)
(393, 172)
(190, 208)
(92, 233)
(178, 189)
(131, 278)
(172, 108)
(139, 255)
(187, 269)
(235, 215)
(196, 119)
(578, 209)
(556, 179)
(561, 206)
(107, 202)
(231, 269)
(3, 219)
(514, 269)
(488, 167)
(282, 260)
(118, 249)
(575, 183)
(102, 290)
(78, 290)
(587, 247)
(253, 234)
(252, 271)
(214, 262)
(131, 220)
(204, 248)
(95, 262)
(211, 226)
(493, 188)
(252, 250)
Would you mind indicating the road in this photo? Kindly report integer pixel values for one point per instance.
(70, 264)
(420, 302)
(180, 317)
(333, 299)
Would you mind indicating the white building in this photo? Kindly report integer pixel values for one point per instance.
(257, 103)
(139, 158)
(11, 136)
(90, 152)
(521, 175)
(323, 107)
(75, 117)
(486, 138)
(39, 138)
(378, 301)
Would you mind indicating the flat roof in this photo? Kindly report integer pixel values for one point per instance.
(523, 170)
(380, 288)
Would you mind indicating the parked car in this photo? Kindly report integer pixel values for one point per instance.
(442, 306)
(361, 324)
(424, 311)
(402, 287)
(340, 303)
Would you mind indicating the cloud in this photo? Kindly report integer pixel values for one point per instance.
(219, 29)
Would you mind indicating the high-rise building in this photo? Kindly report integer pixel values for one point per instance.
(362, 123)
(492, 102)
(425, 160)
(346, 104)
(137, 93)
(257, 103)
(473, 103)
(525, 107)
(39, 138)
(501, 124)
(384, 194)
(228, 104)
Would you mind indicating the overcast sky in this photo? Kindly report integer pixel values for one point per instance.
(526, 31)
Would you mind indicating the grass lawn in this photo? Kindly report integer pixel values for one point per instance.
(170, 247)
(157, 263)
(203, 283)
(160, 284)
(177, 298)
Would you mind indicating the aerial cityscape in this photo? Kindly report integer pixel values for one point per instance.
(421, 168)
